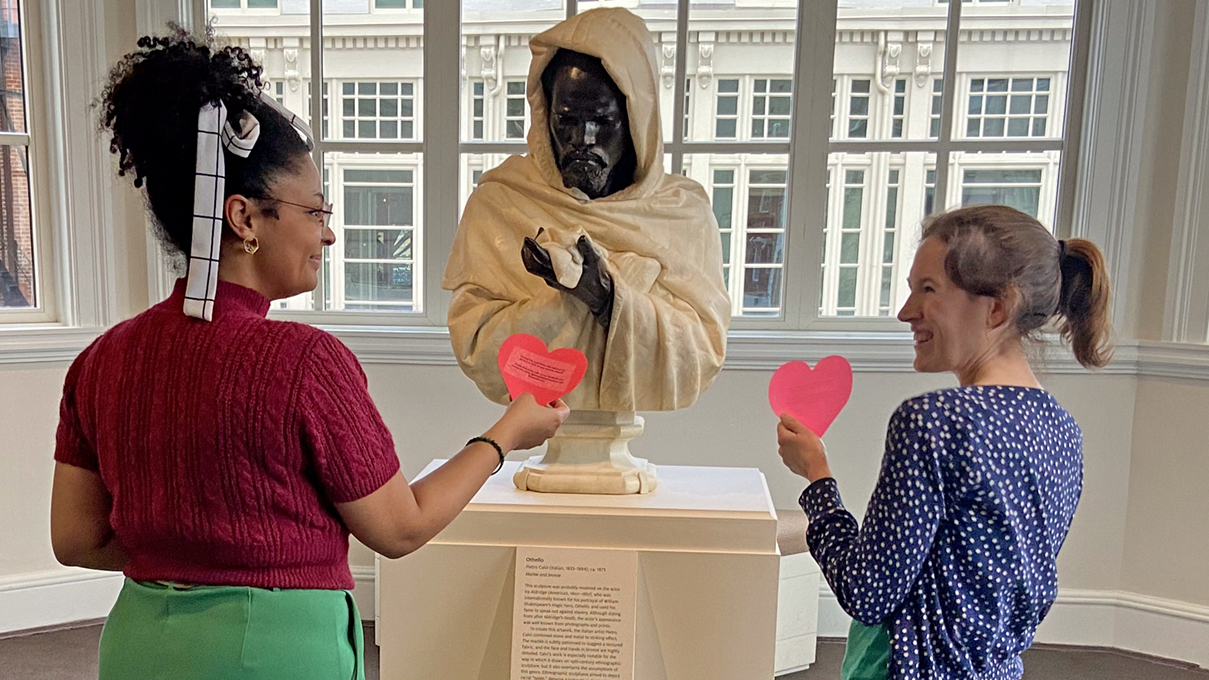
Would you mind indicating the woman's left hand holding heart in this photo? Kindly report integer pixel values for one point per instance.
(801, 449)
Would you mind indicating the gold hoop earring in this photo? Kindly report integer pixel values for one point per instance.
(251, 245)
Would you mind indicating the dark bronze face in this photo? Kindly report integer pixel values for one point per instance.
(590, 131)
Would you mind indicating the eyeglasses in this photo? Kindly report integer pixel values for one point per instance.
(324, 213)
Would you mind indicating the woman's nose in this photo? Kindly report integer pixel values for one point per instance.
(329, 236)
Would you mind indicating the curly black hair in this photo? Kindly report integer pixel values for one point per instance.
(150, 107)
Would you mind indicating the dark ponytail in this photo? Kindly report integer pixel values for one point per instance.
(1083, 302)
(998, 251)
(150, 108)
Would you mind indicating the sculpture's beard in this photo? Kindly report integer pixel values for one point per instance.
(587, 173)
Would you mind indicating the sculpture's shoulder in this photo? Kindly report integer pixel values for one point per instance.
(517, 175)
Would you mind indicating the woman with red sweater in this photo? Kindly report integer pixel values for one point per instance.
(217, 458)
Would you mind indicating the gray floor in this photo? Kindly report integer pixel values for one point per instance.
(71, 655)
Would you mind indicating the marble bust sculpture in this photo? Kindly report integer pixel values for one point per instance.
(586, 242)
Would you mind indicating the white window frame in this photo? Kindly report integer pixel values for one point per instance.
(42, 307)
(72, 185)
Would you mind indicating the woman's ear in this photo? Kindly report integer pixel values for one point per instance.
(1001, 309)
(238, 211)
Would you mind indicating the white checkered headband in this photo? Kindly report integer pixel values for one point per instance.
(215, 133)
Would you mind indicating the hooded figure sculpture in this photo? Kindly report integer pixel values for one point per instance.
(642, 295)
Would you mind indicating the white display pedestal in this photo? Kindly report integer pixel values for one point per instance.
(707, 578)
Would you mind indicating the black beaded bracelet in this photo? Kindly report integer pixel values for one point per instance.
(498, 450)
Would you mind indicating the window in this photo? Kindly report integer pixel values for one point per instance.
(898, 116)
(246, 4)
(1020, 189)
(771, 103)
(514, 111)
(858, 110)
(1008, 107)
(478, 104)
(728, 109)
(688, 93)
(831, 127)
(723, 196)
(888, 244)
(764, 242)
(307, 113)
(905, 153)
(938, 100)
(379, 239)
(918, 123)
(378, 110)
(19, 274)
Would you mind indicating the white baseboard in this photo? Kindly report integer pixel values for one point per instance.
(1099, 618)
(1095, 618)
(55, 598)
(64, 596)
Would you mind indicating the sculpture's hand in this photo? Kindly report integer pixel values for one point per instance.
(595, 288)
(537, 262)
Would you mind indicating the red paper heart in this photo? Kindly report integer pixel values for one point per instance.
(528, 366)
(815, 397)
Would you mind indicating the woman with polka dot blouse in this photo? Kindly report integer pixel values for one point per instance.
(956, 563)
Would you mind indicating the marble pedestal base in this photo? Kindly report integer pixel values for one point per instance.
(590, 454)
(707, 580)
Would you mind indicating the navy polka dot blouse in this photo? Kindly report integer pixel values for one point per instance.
(958, 552)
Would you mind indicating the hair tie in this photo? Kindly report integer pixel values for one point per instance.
(1061, 250)
(215, 133)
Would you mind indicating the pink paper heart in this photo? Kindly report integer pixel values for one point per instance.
(813, 396)
(528, 366)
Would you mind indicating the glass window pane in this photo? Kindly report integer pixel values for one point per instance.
(765, 248)
(378, 244)
(17, 282)
(12, 104)
(1025, 181)
(761, 291)
(723, 205)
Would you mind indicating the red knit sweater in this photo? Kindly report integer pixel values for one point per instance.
(225, 444)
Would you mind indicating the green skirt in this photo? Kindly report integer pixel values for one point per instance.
(166, 632)
(867, 654)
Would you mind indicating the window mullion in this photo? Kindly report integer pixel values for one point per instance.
(952, 38)
(442, 64)
(678, 131)
(316, 114)
(810, 130)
